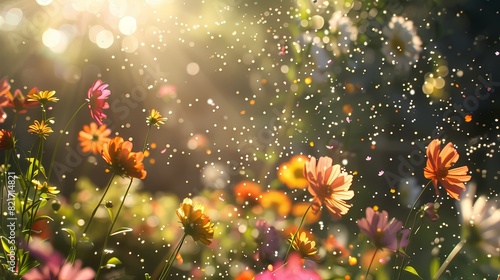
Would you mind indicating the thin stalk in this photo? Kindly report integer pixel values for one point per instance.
(98, 204)
(166, 268)
(146, 139)
(371, 262)
(450, 257)
(59, 139)
(111, 229)
(296, 232)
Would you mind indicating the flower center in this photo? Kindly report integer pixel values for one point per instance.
(397, 45)
(442, 172)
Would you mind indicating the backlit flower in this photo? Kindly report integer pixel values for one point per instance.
(155, 118)
(40, 128)
(341, 25)
(438, 169)
(96, 99)
(278, 201)
(45, 188)
(42, 96)
(268, 242)
(403, 45)
(293, 269)
(430, 210)
(4, 97)
(247, 191)
(328, 185)
(121, 160)
(195, 222)
(481, 221)
(304, 246)
(93, 137)
(382, 232)
(6, 140)
(291, 173)
(19, 103)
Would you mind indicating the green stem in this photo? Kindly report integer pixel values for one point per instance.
(296, 232)
(166, 269)
(371, 262)
(450, 257)
(146, 139)
(59, 139)
(111, 229)
(98, 204)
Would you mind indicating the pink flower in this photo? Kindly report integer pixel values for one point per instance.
(4, 97)
(292, 270)
(384, 233)
(97, 96)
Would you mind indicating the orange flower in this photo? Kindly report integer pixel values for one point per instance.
(438, 169)
(195, 222)
(122, 161)
(277, 200)
(291, 173)
(247, 192)
(92, 138)
(328, 185)
(7, 140)
(20, 103)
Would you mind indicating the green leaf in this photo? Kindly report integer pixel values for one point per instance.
(121, 230)
(434, 266)
(72, 253)
(34, 168)
(25, 263)
(43, 217)
(6, 245)
(147, 276)
(412, 270)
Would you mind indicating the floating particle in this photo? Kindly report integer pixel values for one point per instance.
(348, 120)
(282, 51)
(497, 53)
(381, 172)
(368, 158)
(393, 190)
(311, 144)
(329, 147)
(308, 80)
(375, 207)
(468, 118)
(164, 150)
(353, 261)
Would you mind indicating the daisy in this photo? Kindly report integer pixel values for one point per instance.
(121, 160)
(96, 99)
(304, 246)
(42, 96)
(195, 222)
(93, 137)
(40, 128)
(155, 118)
(291, 173)
(343, 27)
(403, 45)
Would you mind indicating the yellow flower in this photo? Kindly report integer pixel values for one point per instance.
(195, 222)
(278, 201)
(40, 128)
(304, 246)
(155, 118)
(43, 96)
(291, 173)
(45, 188)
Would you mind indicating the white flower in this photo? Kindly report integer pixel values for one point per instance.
(403, 45)
(342, 26)
(481, 221)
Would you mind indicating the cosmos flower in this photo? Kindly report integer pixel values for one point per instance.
(121, 160)
(195, 222)
(328, 185)
(304, 246)
(278, 201)
(292, 270)
(96, 99)
(4, 97)
(93, 137)
(6, 140)
(291, 173)
(155, 118)
(45, 188)
(403, 45)
(40, 128)
(438, 169)
(346, 32)
(19, 103)
(430, 210)
(481, 221)
(383, 233)
(42, 96)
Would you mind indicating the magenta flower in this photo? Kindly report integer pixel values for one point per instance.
(97, 96)
(383, 233)
(4, 97)
(292, 270)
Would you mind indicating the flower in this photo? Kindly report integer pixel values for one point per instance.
(97, 95)
(304, 246)
(438, 169)
(291, 173)
(328, 185)
(42, 96)
(481, 221)
(45, 188)
(268, 241)
(383, 233)
(430, 210)
(343, 27)
(20, 103)
(332, 244)
(40, 128)
(278, 201)
(195, 222)
(293, 269)
(6, 140)
(247, 192)
(92, 137)
(122, 161)
(403, 45)
(155, 118)
(4, 97)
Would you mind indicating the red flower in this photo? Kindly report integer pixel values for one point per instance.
(4, 97)
(122, 161)
(97, 95)
(438, 169)
(6, 140)
(19, 102)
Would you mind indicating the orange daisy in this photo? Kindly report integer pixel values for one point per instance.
(438, 169)
(195, 222)
(291, 173)
(329, 185)
(278, 201)
(247, 192)
(122, 161)
(93, 137)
